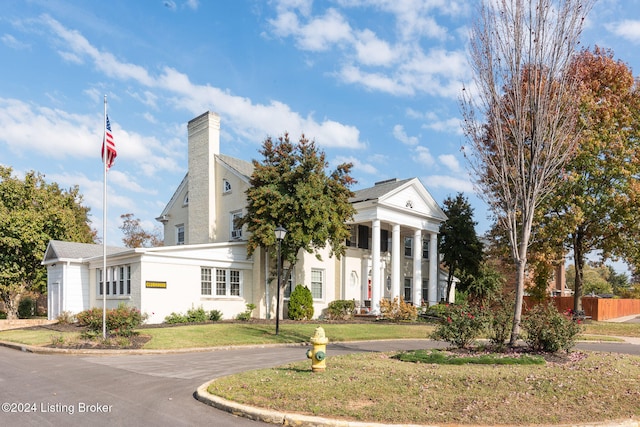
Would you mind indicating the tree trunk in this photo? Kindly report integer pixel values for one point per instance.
(11, 304)
(517, 310)
(578, 262)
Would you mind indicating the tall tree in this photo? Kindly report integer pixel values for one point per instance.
(33, 212)
(520, 116)
(291, 187)
(135, 236)
(595, 207)
(459, 246)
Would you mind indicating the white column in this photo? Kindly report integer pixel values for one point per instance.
(395, 261)
(417, 268)
(376, 283)
(433, 269)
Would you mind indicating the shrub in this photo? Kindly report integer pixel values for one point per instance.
(174, 318)
(215, 315)
(3, 314)
(500, 319)
(461, 326)
(196, 315)
(341, 309)
(246, 315)
(437, 311)
(548, 330)
(397, 310)
(300, 304)
(26, 308)
(66, 318)
(121, 321)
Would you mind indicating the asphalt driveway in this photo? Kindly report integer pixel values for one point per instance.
(150, 389)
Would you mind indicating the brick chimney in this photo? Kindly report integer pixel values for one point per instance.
(204, 145)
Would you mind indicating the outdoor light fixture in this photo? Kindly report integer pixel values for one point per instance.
(280, 233)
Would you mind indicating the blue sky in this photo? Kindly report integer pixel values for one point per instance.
(374, 82)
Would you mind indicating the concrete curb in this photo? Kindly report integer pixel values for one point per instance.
(300, 420)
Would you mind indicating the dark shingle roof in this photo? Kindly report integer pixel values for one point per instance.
(72, 250)
(378, 190)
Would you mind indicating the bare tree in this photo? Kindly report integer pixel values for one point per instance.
(520, 114)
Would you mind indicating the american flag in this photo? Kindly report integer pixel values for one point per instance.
(111, 146)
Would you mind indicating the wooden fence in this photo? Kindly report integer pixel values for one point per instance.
(597, 308)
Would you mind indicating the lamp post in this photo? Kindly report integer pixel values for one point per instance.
(280, 233)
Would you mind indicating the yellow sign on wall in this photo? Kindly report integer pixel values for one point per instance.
(150, 284)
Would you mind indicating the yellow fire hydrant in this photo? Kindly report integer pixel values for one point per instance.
(318, 354)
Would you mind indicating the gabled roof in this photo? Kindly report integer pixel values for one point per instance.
(58, 250)
(379, 190)
(242, 167)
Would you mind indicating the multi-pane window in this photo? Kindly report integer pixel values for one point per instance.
(180, 234)
(226, 186)
(234, 283)
(425, 290)
(288, 285)
(236, 228)
(221, 282)
(205, 281)
(407, 289)
(228, 283)
(317, 283)
(425, 249)
(408, 245)
(116, 281)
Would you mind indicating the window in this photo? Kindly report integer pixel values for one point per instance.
(226, 186)
(363, 237)
(352, 241)
(234, 283)
(116, 281)
(236, 229)
(317, 283)
(288, 286)
(407, 289)
(425, 249)
(205, 281)
(185, 201)
(408, 243)
(425, 290)
(228, 283)
(221, 282)
(180, 234)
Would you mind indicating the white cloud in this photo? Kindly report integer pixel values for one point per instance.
(627, 29)
(359, 166)
(400, 135)
(244, 118)
(450, 162)
(13, 43)
(424, 156)
(192, 4)
(406, 68)
(449, 183)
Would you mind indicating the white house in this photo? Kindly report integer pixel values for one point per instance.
(392, 250)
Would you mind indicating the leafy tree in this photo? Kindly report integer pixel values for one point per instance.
(290, 187)
(459, 246)
(300, 304)
(595, 207)
(595, 279)
(520, 117)
(33, 212)
(135, 236)
(618, 281)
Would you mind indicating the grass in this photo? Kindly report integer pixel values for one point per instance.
(227, 334)
(447, 358)
(378, 387)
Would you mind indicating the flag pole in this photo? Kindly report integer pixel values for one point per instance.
(104, 222)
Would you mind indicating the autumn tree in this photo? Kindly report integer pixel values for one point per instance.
(596, 206)
(458, 244)
(137, 237)
(33, 212)
(290, 186)
(520, 114)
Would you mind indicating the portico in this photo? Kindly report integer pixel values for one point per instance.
(396, 231)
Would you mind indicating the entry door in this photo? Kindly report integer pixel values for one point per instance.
(54, 300)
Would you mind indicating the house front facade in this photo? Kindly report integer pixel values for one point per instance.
(392, 251)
